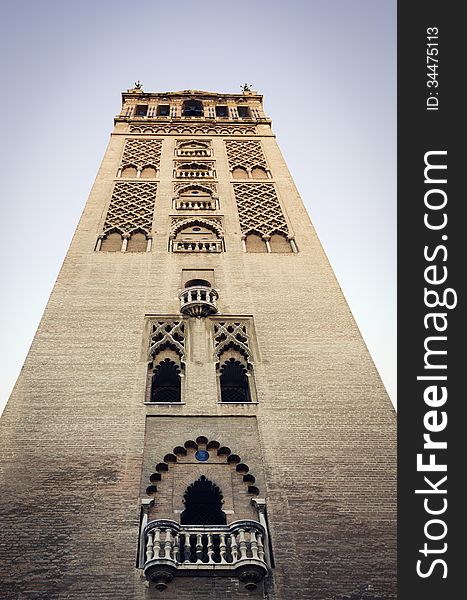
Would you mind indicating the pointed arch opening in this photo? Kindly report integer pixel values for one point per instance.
(255, 243)
(112, 241)
(192, 108)
(166, 382)
(203, 504)
(138, 242)
(234, 381)
(280, 243)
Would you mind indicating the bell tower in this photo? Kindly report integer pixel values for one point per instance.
(198, 415)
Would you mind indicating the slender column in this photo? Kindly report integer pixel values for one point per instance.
(145, 504)
(99, 243)
(293, 244)
(244, 242)
(260, 505)
(149, 244)
(266, 238)
(125, 237)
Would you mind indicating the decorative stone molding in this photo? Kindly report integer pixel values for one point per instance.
(195, 129)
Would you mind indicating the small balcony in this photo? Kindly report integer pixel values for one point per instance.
(172, 550)
(198, 300)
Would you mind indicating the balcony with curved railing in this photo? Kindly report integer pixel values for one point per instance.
(172, 550)
(198, 301)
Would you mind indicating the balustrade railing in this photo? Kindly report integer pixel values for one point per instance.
(194, 174)
(238, 548)
(194, 204)
(198, 301)
(193, 152)
(196, 246)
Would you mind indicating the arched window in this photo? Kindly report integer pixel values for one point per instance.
(239, 173)
(196, 282)
(279, 243)
(203, 504)
(259, 173)
(129, 172)
(254, 243)
(166, 384)
(148, 172)
(137, 242)
(112, 242)
(192, 108)
(234, 382)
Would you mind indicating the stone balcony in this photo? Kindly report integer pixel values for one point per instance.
(198, 301)
(236, 550)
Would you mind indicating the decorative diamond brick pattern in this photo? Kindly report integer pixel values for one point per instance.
(259, 209)
(141, 153)
(131, 207)
(245, 153)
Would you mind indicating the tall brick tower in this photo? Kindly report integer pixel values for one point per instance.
(198, 416)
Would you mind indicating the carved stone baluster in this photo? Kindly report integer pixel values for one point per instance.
(168, 544)
(222, 548)
(253, 544)
(210, 548)
(233, 547)
(199, 547)
(176, 548)
(149, 547)
(186, 548)
(242, 543)
(157, 542)
(260, 547)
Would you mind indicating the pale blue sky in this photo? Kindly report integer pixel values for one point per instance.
(327, 69)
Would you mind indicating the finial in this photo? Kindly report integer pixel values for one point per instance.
(138, 85)
(245, 87)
